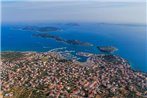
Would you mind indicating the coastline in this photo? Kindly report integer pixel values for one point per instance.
(54, 49)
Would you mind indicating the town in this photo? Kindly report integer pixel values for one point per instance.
(50, 75)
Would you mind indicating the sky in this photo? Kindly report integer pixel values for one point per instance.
(108, 11)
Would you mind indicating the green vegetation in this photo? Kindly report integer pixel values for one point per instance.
(12, 56)
(22, 92)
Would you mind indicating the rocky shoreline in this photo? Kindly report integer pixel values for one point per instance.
(49, 75)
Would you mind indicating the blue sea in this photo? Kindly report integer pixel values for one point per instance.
(128, 38)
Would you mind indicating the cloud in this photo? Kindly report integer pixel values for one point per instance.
(90, 11)
(75, 0)
(92, 0)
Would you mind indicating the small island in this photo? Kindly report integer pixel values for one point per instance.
(107, 49)
(41, 29)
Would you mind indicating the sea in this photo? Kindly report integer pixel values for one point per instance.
(130, 39)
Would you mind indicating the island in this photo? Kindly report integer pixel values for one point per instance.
(108, 49)
(77, 42)
(50, 75)
(46, 35)
(41, 29)
(57, 38)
